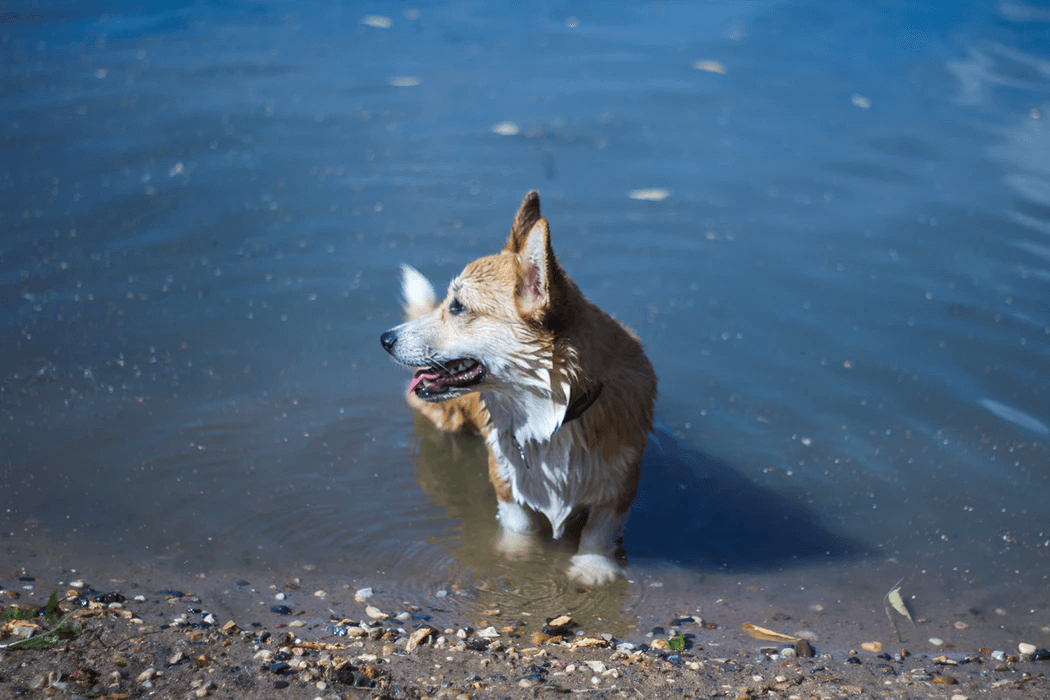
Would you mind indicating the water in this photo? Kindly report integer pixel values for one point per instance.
(841, 280)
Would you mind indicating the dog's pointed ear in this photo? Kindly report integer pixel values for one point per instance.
(528, 214)
(536, 268)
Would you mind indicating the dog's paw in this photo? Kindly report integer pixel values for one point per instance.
(593, 569)
(515, 546)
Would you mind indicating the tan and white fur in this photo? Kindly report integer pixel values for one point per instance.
(562, 393)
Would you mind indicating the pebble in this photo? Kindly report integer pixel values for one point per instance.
(375, 613)
(320, 594)
(363, 594)
(999, 655)
(147, 675)
(936, 641)
(281, 610)
(1026, 648)
(281, 596)
(804, 649)
(416, 638)
(488, 633)
(873, 647)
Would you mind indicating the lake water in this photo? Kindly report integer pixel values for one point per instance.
(828, 222)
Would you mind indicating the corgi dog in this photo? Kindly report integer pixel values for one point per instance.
(561, 393)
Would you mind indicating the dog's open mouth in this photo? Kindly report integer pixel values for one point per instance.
(435, 383)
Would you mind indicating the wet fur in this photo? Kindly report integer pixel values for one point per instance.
(543, 345)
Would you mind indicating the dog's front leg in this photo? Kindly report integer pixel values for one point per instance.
(517, 531)
(593, 564)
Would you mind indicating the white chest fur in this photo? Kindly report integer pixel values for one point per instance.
(554, 476)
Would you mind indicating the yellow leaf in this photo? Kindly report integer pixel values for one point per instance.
(767, 635)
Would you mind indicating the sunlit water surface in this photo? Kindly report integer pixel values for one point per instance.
(828, 223)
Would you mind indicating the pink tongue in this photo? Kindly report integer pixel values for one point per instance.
(420, 377)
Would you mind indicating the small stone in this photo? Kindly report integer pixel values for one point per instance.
(488, 633)
(959, 697)
(943, 680)
(320, 594)
(561, 621)
(209, 619)
(78, 584)
(375, 613)
(281, 610)
(281, 596)
(363, 594)
(659, 644)
(177, 658)
(873, 647)
(804, 649)
(1026, 648)
(936, 641)
(231, 628)
(539, 638)
(999, 655)
(788, 652)
(147, 675)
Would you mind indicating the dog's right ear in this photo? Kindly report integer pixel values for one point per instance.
(527, 216)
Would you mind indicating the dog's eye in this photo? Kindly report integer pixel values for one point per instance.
(456, 307)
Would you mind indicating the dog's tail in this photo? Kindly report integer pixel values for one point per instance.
(417, 293)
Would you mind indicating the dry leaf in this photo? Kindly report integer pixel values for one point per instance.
(767, 635)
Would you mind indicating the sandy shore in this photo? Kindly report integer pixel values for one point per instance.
(142, 639)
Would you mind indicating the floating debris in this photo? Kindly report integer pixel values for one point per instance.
(377, 21)
(860, 101)
(710, 67)
(506, 129)
(654, 194)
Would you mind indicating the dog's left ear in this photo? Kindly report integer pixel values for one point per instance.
(528, 214)
(536, 269)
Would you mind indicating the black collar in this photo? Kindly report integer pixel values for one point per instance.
(582, 403)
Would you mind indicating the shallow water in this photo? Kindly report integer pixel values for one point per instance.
(829, 224)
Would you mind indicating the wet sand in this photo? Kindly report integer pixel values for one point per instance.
(300, 634)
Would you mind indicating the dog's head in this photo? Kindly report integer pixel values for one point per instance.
(496, 327)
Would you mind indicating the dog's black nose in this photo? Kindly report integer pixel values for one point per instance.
(388, 340)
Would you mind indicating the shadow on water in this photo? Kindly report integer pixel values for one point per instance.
(691, 511)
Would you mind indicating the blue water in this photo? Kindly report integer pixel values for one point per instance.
(841, 274)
